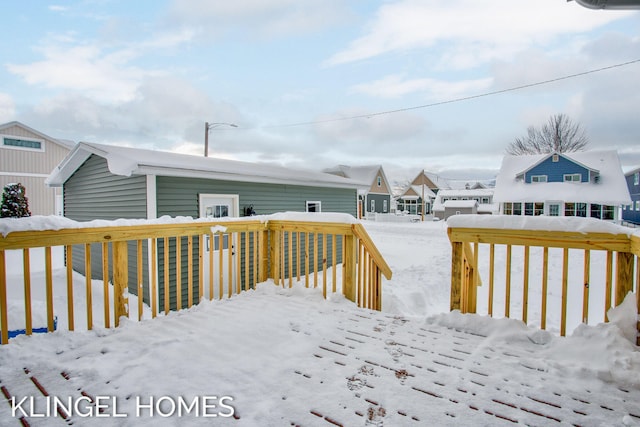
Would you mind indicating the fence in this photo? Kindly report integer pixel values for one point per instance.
(620, 247)
(175, 265)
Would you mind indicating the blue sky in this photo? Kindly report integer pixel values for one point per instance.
(288, 73)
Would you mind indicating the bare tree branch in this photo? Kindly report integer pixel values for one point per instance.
(558, 135)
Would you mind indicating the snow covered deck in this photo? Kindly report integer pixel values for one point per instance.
(289, 357)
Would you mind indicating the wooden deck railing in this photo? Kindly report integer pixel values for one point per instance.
(175, 265)
(620, 247)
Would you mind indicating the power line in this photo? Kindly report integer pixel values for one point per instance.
(451, 101)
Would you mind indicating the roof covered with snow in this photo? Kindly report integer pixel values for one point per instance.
(127, 161)
(611, 188)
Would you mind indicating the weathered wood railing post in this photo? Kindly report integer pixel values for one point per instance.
(263, 255)
(350, 263)
(456, 276)
(624, 276)
(275, 254)
(120, 280)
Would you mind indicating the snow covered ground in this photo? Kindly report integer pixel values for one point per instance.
(275, 356)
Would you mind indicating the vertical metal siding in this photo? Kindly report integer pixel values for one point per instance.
(22, 164)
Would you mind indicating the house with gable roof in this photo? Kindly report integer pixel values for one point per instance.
(110, 182)
(376, 197)
(419, 195)
(28, 156)
(631, 212)
(582, 184)
(478, 200)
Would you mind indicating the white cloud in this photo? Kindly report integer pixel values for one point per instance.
(256, 17)
(7, 108)
(396, 86)
(469, 31)
(86, 68)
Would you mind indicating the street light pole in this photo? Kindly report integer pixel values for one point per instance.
(207, 127)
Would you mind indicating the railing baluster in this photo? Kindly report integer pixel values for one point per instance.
(565, 283)
(525, 287)
(48, 267)
(306, 260)
(491, 276)
(88, 289)
(154, 279)
(4, 318)
(230, 240)
(545, 282)
(334, 260)
(178, 272)
(238, 261)
(200, 268)
(290, 258)
(316, 254)
(69, 265)
(105, 283)
(140, 279)
(324, 265)
(211, 269)
(585, 291)
(166, 276)
(246, 260)
(189, 271)
(26, 271)
(221, 265)
(608, 284)
(299, 255)
(507, 297)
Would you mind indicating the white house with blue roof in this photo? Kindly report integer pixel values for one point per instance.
(584, 184)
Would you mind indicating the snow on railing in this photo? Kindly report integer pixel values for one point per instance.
(152, 266)
(553, 239)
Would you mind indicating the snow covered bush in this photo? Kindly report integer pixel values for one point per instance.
(14, 202)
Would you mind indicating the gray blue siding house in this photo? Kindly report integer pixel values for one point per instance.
(376, 195)
(109, 182)
(631, 212)
(583, 184)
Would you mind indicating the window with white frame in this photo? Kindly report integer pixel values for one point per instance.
(379, 181)
(636, 178)
(313, 206)
(385, 206)
(572, 177)
(22, 144)
(539, 178)
(638, 205)
(373, 205)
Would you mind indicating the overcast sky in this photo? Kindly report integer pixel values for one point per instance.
(291, 74)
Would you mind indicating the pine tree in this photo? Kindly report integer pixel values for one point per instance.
(14, 202)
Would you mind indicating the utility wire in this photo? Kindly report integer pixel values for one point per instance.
(451, 101)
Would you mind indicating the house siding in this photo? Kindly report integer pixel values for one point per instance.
(379, 201)
(31, 168)
(180, 196)
(631, 213)
(555, 171)
(93, 192)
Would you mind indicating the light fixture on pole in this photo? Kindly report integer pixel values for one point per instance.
(207, 127)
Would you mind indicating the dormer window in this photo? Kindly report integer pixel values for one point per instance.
(555, 158)
(539, 178)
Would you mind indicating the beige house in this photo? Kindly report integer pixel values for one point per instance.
(424, 186)
(28, 156)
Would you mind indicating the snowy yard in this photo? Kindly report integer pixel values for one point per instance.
(275, 356)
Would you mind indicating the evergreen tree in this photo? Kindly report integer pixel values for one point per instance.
(14, 202)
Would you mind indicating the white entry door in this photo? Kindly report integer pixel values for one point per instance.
(217, 251)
